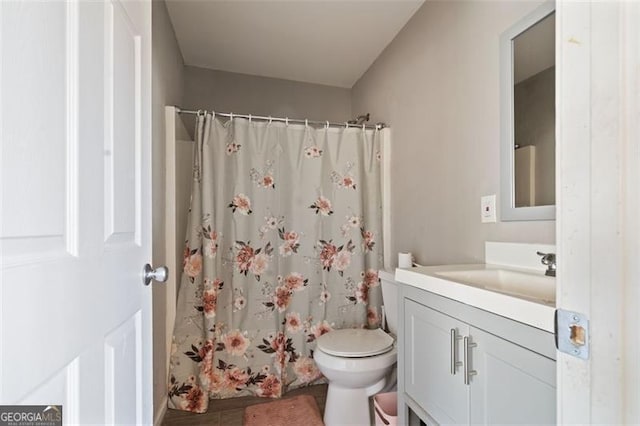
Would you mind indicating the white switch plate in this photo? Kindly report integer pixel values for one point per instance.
(488, 205)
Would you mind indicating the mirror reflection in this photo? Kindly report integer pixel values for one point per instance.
(534, 114)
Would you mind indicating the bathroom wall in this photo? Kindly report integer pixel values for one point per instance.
(167, 90)
(437, 85)
(179, 178)
(248, 94)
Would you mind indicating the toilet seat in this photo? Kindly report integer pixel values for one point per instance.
(355, 343)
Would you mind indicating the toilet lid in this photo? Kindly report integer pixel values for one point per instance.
(355, 342)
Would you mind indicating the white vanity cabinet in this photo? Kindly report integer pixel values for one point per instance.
(432, 350)
(512, 385)
(507, 376)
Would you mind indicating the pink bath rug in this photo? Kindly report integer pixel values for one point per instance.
(296, 411)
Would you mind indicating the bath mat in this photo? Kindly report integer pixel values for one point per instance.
(296, 411)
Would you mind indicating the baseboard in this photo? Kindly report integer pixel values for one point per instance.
(157, 421)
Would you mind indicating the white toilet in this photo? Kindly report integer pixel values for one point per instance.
(357, 363)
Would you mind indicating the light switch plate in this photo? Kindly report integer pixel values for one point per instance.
(488, 205)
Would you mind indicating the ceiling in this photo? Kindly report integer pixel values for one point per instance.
(327, 42)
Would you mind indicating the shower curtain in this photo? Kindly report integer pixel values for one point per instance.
(283, 245)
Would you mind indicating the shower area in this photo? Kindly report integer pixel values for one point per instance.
(275, 230)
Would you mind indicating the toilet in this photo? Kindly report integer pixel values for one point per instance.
(358, 363)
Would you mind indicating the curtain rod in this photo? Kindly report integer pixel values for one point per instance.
(377, 126)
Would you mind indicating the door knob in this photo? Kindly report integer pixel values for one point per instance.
(159, 274)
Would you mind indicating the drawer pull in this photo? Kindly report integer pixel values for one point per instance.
(454, 362)
(467, 372)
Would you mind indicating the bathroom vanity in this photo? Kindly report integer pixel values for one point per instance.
(474, 349)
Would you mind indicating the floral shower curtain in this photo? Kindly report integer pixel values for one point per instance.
(283, 245)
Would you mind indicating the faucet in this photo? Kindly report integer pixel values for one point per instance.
(548, 259)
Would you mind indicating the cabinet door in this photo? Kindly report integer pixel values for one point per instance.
(513, 385)
(428, 376)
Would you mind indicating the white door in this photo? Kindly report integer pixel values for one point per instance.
(75, 208)
(598, 222)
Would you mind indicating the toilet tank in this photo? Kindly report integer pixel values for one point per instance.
(390, 299)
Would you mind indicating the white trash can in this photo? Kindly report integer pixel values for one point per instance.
(385, 406)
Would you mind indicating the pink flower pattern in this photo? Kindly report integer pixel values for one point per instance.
(306, 370)
(235, 343)
(337, 257)
(291, 242)
(193, 265)
(247, 259)
(211, 241)
(344, 181)
(370, 278)
(293, 322)
(232, 148)
(322, 205)
(210, 301)
(282, 298)
(361, 292)
(347, 182)
(242, 204)
(255, 333)
(317, 330)
(367, 240)
(373, 319)
(295, 281)
(312, 152)
(270, 387)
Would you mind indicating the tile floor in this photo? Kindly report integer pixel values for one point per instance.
(230, 412)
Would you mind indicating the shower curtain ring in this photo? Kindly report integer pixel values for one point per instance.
(249, 118)
(306, 122)
(230, 116)
(327, 125)
(363, 127)
(213, 114)
(286, 121)
(346, 124)
(270, 119)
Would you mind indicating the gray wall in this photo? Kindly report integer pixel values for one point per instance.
(167, 90)
(437, 84)
(247, 94)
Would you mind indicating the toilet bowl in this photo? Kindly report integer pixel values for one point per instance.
(357, 363)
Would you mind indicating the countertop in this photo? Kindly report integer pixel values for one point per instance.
(528, 310)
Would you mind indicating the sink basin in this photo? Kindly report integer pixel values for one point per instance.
(539, 288)
(511, 283)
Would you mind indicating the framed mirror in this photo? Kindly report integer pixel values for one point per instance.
(527, 149)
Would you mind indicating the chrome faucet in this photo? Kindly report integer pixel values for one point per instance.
(549, 259)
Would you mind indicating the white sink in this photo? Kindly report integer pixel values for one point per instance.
(528, 286)
(516, 293)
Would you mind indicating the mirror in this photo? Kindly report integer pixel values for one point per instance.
(527, 78)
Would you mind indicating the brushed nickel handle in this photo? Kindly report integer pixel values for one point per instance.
(453, 352)
(454, 361)
(467, 372)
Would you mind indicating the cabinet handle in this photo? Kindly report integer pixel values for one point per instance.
(453, 351)
(467, 373)
(454, 362)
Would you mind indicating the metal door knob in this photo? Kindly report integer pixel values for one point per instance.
(159, 274)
